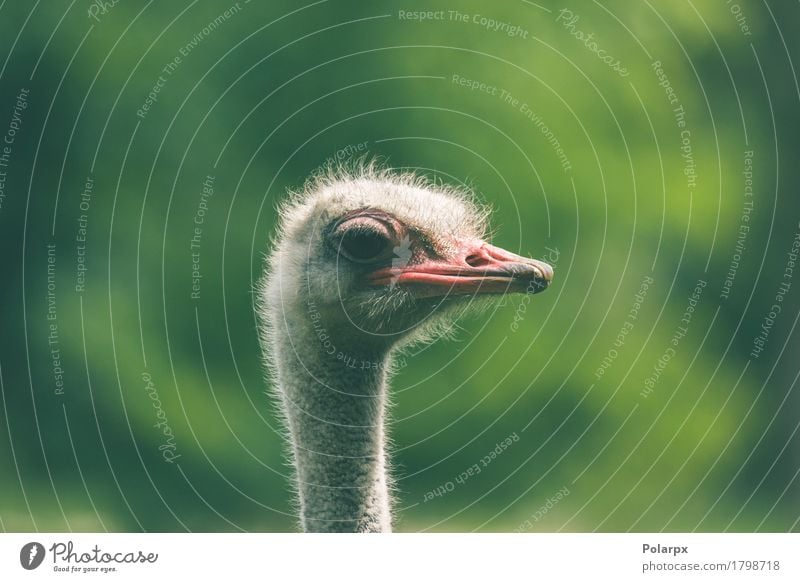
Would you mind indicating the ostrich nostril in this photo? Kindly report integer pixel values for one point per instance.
(478, 260)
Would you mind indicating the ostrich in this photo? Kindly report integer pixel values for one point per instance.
(366, 261)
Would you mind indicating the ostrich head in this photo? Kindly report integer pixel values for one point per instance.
(381, 258)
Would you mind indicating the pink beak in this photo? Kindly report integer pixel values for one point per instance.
(477, 267)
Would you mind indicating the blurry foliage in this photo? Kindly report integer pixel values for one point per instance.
(272, 93)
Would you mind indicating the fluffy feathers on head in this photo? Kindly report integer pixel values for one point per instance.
(303, 266)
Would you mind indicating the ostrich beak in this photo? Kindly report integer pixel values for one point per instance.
(476, 268)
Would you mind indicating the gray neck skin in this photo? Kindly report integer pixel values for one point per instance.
(335, 413)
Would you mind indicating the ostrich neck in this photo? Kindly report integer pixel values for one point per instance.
(334, 402)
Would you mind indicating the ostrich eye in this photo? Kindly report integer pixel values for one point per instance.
(365, 244)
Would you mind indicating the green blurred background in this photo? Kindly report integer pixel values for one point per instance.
(267, 93)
